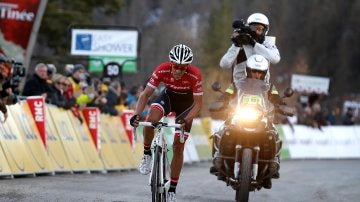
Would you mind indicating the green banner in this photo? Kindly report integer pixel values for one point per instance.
(97, 63)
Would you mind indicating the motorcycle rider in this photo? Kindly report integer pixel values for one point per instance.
(257, 67)
(247, 44)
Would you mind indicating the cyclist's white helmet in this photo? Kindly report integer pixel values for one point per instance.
(181, 54)
(259, 18)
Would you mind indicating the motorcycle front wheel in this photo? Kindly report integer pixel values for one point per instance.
(242, 192)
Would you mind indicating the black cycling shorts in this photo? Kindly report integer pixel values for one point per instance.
(179, 102)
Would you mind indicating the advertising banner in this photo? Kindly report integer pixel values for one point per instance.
(331, 142)
(4, 168)
(15, 149)
(37, 108)
(55, 149)
(201, 140)
(310, 84)
(69, 140)
(125, 118)
(98, 42)
(92, 119)
(24, 124)
(16, 24)
(119, 143)
(86, 143)
(111, 49)
(103, 64)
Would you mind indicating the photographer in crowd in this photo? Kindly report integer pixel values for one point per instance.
(248, 39)
(10, 74)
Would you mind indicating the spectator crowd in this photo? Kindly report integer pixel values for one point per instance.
(313, 110)
(76, 89)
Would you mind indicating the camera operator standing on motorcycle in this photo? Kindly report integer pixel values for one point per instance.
(249, 39)
(257, 67)
(182, 95)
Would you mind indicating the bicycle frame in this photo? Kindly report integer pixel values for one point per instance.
(160, 165)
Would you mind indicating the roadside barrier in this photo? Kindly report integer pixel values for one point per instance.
(26, 127)
(304, 142)
(38, 138)
(68, 139)
(55, 149)
(329, 142)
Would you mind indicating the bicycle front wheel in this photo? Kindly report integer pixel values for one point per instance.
(157, 188)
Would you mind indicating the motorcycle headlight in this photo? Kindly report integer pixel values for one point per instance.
(247, 116)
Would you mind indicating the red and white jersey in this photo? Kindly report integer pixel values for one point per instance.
(190, 81)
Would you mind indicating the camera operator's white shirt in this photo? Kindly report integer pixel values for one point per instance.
(266, 49)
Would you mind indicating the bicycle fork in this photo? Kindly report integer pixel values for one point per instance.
(162, 186)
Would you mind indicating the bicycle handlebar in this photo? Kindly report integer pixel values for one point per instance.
(162, 124)
(154, 125)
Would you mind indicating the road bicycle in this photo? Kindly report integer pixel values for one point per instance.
(160, 168)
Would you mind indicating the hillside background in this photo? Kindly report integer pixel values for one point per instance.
(314, 37)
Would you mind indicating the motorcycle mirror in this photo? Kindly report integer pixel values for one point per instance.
(216, 86)
(288, 92)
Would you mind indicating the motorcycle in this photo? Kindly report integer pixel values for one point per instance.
(246, 146)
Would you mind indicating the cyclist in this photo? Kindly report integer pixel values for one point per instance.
(182, 94)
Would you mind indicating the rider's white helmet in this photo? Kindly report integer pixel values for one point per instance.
(181, 54)
(259, 18)
(258, 63)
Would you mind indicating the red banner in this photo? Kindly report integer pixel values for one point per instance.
(125, 118)
(16, 22)
(92, 119)
(37, 108)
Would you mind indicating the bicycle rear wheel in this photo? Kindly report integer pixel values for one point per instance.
(157, 189)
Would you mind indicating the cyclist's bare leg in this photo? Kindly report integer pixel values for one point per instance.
(178, 157)
(154, 116)
(177, 163)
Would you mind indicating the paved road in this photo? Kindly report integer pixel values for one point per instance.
(301, 180)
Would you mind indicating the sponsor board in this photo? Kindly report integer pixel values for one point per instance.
(92, 119)
(16, 24)
(55, 148)
(107, 154)
(329, 142)
(117, 144)
(201, 140)
(15, 149)
(37, 109)
(133, 155)
(27, 127)
(88, 147)
(69, 140)
(4, 166)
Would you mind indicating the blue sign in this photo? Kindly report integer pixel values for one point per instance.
(83, 42)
